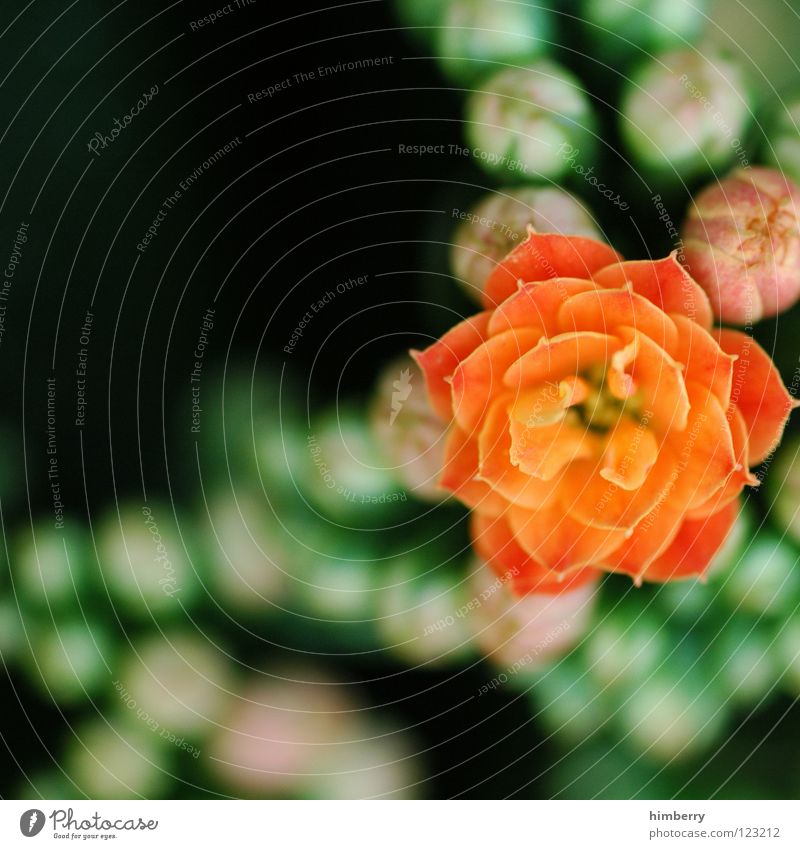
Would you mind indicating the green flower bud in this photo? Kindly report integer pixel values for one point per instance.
(499, 222)
(251, 552)
(145, 562)
(621, 27)
(50, 565)
(478, 36)
(626, 646)
(766, 580)
(674, 712)
(787, 654)
(422, 612)
(175, 684)
(568, 701)
(109, 762)
(344, 474)
(421, 17)
(783, 140)
(528, 122)
(747, 668)
(70, 660)
(783, 488)
(685, 113)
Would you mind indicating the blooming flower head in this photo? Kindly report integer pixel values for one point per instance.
(742, 244)
(597, 422)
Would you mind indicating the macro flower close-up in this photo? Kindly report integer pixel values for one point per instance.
(399, 403)
(598, 421)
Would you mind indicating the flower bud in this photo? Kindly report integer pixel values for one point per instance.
(522, 634)
(783, 484)
(672, 712)
(69, 660)
(617, 27)
(409, 434)
(525, 122)
(478, 36)
(569, 702)
(115, 761)
(344, 474)
(742, 244)
(422, 610)
(420, 18)
(766, 580)
(499, 222)
(685, 113)
(744, 653)
(783, 147)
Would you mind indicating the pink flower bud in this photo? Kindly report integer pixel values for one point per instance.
(742, 244)
(531, 631)
(410, 436)
(499, 222)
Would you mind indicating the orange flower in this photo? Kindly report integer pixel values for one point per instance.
(597, 421)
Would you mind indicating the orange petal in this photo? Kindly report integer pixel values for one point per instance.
(651, 536)
(460, 472)
(741, 477)
(494, 541)
(439, 361)
(558, 541)
(542, 452)
(694, 547)
(545, 255)
(664, 282)
(702, 358)
(479, 378)
(631, 451)
(548, 403)
(658, 379)
(706, 456)
(597, 502)
(537, 304)
(602, 310)
(560, 357)
(758, 393)
(495, 462)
